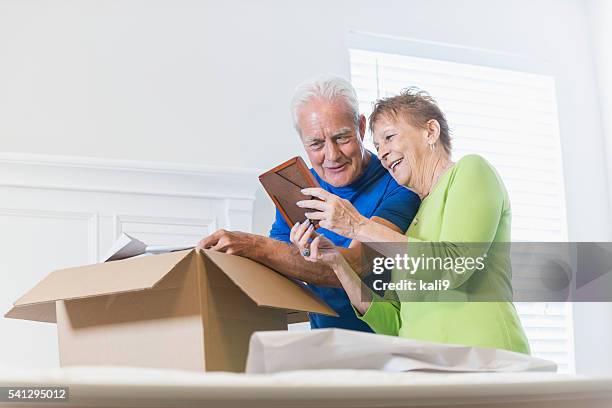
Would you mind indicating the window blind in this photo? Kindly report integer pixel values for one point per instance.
(510, 118)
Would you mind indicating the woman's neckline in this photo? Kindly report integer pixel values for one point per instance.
(439, 182)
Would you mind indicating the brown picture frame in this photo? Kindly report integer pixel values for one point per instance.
(283, 184)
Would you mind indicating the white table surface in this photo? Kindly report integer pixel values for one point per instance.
(141, 387)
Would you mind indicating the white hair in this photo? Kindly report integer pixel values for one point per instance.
(328, 88)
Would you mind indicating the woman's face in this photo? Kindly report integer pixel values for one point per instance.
(402, 148)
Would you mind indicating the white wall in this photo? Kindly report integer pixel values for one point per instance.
(208, 82)
(593, 321)
(599, 19)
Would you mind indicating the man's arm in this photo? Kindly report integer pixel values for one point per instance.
(285, 258)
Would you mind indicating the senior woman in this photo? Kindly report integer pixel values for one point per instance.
(464, 202)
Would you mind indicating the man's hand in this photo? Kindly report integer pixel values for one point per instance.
(230, 242)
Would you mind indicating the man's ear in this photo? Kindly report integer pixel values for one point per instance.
(433, 131)
(362, 126)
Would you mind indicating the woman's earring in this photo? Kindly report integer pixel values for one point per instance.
(432, 146)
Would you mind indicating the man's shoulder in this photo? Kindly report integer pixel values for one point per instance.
(390, 186)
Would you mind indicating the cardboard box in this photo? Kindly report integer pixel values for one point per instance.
(193, 310)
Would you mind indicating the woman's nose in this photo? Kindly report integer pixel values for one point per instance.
(383, 153)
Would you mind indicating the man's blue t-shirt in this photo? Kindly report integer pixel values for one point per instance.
(374, 193)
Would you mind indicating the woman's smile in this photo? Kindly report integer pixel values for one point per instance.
(395, 163)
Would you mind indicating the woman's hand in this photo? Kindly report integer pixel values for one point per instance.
(334, 213)
(314, 247)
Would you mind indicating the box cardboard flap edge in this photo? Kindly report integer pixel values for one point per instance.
(107, 278)
(257, 281)
(142, 273)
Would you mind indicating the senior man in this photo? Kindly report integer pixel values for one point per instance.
(326, 116)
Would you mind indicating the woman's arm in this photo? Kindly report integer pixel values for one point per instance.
(340, 216)
(358, 293)
(317, 248)
(382, 315)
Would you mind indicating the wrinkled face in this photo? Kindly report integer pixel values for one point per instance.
(333, 143)
(402, 148)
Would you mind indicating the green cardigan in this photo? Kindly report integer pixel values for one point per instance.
(468, 204)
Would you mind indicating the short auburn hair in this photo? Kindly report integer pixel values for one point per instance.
(418, 106)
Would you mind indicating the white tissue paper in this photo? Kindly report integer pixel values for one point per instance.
(275, 351)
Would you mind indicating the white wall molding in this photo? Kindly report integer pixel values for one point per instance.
(91, 218)
(135, 224)
(238, 214)
(126, 176)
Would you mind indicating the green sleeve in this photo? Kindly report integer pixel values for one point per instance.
(383, 316)
(472, 212)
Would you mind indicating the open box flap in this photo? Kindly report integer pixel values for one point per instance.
(39, 312)
(94, 280)
(265, 286)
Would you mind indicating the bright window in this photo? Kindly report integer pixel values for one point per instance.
(510, 118)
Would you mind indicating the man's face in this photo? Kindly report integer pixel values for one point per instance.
(332, 140)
